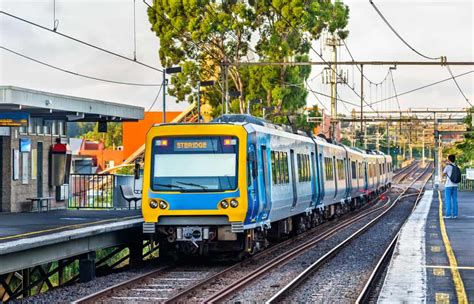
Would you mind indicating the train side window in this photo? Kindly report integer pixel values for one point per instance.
(272, 157)
(328, 168)
(353, 168)
(300, 168)
(340, 169)
(308, 169)
(279, 166)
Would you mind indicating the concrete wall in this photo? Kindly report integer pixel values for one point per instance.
(16, 192)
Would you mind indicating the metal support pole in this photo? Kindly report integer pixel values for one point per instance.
(423, 148)
(223, 87)
(136, 254)
(25, 282)
(87, 267)
(199, 102)
(361, 103)
(164, 95)
(227, 88)
(388, 138)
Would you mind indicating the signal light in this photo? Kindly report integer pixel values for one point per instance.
(229, 142)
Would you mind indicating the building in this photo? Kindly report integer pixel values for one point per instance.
(30, 123)
(134, 133)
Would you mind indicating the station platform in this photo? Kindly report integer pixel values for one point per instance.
(30, 239)
(433, 261)
(14, 226)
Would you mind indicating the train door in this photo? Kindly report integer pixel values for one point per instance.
(266, 183)
(348, 177)
(336, 175)
(252, 175)
(321, 178)
(293, 177)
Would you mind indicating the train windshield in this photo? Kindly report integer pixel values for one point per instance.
(194, 164)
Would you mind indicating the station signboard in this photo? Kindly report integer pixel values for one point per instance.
(13, 119)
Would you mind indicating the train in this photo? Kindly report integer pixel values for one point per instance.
(238, 183)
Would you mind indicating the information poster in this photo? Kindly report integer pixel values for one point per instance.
(470, 173)
(34, 159)
(25, 167)
(16, 164)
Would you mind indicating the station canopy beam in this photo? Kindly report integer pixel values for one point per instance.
(46, 105)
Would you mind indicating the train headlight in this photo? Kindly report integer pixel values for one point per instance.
(163, 205)
(153, 204)
(234, 203)
(224, 204)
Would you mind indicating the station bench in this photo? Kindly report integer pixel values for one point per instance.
(40, 202)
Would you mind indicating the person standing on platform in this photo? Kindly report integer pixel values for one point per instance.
(453, 177)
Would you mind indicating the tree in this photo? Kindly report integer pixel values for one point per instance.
(205, 37)
(464, 150)
(112, 138)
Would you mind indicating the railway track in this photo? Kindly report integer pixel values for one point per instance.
(213, 284)
(369, 290)
(300, 279)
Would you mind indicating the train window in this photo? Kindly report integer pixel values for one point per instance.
(286, 173)
(353, 168)
(328, 169)
(300, 167)
(308, 169)
(272, 157)
(340, 169)
(278, 167)
(304, 174)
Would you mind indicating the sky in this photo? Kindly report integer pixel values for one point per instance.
(433, 28)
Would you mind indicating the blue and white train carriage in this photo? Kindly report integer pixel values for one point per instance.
(239, 182)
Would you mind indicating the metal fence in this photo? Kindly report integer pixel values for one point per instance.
(94, 191)
(466, 184)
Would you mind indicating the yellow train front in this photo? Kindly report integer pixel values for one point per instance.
(194, 187)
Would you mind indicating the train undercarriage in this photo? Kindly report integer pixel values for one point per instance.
(206, 240)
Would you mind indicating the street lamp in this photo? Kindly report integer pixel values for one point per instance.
(207, 83)
(172, 70)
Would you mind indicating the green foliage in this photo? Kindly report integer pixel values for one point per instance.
(112, 138)
(201, 35)
(464, 150)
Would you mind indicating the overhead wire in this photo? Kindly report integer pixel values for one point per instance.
(457, 85)
(424, 86)
(79, 41)
(322, 58)
(78, 74)
(395, 90)
(156, 98)
(398, 35)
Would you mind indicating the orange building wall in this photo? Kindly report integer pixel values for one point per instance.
(134, 133)
(104, 156)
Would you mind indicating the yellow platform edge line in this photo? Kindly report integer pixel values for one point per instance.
(75, 226)
(458, 283)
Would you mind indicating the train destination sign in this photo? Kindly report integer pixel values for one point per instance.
(195, 144)
(13, 119)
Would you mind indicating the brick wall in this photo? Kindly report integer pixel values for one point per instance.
(16, 192)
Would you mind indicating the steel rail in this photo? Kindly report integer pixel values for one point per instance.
(92, 298)
(321, 261)
(280, 260)
(218, 296)
(364, 295)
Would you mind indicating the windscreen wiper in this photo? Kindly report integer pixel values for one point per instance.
(169, 186)
(193, 184)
